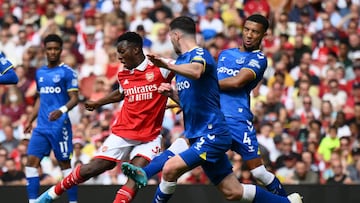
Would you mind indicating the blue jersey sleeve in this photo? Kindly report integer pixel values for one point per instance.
(7, 73)
(71, 80)
(257, 63)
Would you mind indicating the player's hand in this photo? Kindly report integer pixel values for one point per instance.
(165, 89)
(54, 115)
(157, 61)
(91, 105)
(27, 127)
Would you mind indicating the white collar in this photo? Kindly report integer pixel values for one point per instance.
(142, 65)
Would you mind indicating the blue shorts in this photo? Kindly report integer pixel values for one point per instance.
(59, 140)
(244, 138)
(210, 152)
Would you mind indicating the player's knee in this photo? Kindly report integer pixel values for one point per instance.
(170, 171)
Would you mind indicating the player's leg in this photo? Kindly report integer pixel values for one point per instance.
(112, 150)
(141, 175)
(172, 170)
(140, 156)
(207, 148)
(233, 190)
(37, 148)
(66, 171)
(270, 181)
(63, 148)
(245, 143)
(80, 174)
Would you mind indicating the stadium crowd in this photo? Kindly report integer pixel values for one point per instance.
(307, 109)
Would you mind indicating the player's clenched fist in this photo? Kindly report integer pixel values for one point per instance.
(165, 89)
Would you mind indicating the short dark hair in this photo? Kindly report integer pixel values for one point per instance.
(184, 23)
(53, 38)
(131, 37)
(257, 18)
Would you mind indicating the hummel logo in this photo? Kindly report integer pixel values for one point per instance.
(211, 137)
(126, 82)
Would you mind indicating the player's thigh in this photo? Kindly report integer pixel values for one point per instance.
(219, 170)
(209, 148)
(39, 145)
(147, 150)
(116, 148)
(244, 139)
(61, 142)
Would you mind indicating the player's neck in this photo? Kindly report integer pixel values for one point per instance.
(188, 46)
(53, 64)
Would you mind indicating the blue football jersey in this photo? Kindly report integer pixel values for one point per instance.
(199, 99)
(53, 85)
(5, 64)
(236, 103)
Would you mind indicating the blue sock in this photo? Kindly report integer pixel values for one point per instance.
(33, 187)
(161, 197)
(156, 165)
(262, 195)
(72, 193)
(276, 188)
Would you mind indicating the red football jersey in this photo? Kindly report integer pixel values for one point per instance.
(142, 112)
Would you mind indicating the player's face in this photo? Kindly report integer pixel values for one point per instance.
(252, 35)
(53, 51)
(127, 55)
(174, 37)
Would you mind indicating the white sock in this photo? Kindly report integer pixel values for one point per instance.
(178, 146)
(31, 200)
(263, 175)
(167, 187)
(249, 192)
(31, 172)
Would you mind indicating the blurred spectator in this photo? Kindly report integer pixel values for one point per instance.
(162, 45)
(24, 82)
(336, 96)
(328, 144)
(342, 125)
(256, 6)
(10, 142)
(147, 42)
(142, 19)
(13, 176)
(287, 154)
(210, 25)
(159, 5)
(13, 105)
(303, 175)
(339, 177)
(285, 172)
(354, 169)
(301, 6)
(274, 108)
(78, 155)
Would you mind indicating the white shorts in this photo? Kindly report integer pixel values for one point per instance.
(118, 149)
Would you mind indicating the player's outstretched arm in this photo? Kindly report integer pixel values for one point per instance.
(192, 70)
(9, 77)
(115, 96)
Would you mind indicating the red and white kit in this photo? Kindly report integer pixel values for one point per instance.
(137, 126)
